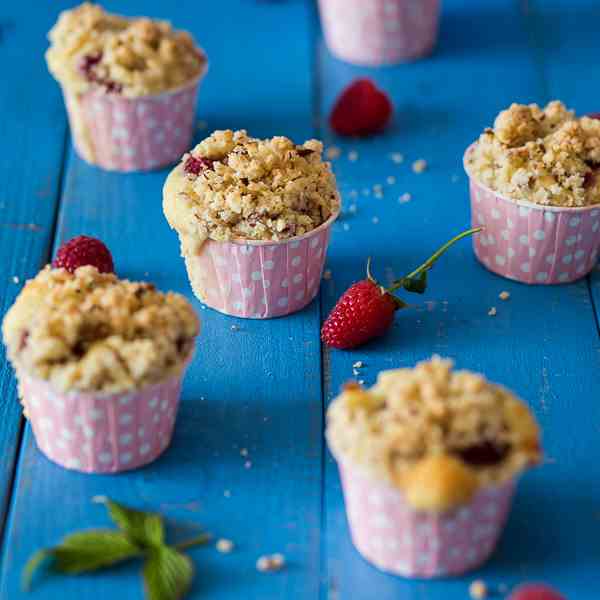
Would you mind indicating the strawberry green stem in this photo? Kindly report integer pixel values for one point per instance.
(197, 541)
(431, 260)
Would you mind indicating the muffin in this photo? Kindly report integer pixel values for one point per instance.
(100, 363)
(380, 32)
(130, 86)
(429, 458)
(535, 187)
(253, 218)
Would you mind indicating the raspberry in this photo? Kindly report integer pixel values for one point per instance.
(535, 591)
(194, 165)
(361, 109)
(81, 251)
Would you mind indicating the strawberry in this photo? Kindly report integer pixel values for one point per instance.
(366, 309)
(83, 250)
(594, 116)
(361, 109)
(535, 591)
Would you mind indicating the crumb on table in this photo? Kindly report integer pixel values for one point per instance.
(419, 165)
(504, 295)
(478, 590)
(224, 546)
(492, 312)
(270, 563)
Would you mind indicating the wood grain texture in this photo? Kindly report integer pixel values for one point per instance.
(260, 385)
(32, 136)
(543, 341)
(257, 387)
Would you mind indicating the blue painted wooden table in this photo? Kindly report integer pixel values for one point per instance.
(264, 386)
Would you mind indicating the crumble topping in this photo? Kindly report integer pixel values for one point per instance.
(546, 156)
(90, 331)
(232, 186)
(437, 434)
(134, 57)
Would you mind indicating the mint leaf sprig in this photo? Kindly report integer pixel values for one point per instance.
(167, 572)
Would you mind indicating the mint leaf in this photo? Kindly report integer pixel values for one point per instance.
(82, 552)
(32, 565)
(145, 529)
(167, 574)
(93, 550)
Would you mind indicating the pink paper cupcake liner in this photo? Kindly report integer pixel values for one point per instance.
(132, 134)
(393, 536)
(531, 243)
(99, 432)
(260, 280)
(380, 32)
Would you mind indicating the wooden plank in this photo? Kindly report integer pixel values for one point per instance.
(256, 387)
(32, 136)
(542, 343)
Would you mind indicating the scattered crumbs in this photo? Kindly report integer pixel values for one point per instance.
(419, 165)
(397, 157)
(355, 372)
(333, 152)
(454, 178)
(492, 312)
(353, 156)
(244, 452)
(15, 279)
(224, 546)
(375, 220)
(478, 590)
(378, 188)
(270, 563)
(227, 494)
(352, 208)
(504, 295)
(234, 328)
(404, 198)
(358, 364)
(366, 192)
(353, 194)
(391, 180)
(346, 227)
(201, 125)
(361, 381)
(248, 464)
(327, 274)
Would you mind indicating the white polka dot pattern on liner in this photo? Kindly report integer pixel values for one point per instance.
(396, 538)
(274, 279)
(101, 433)
(531, 244)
